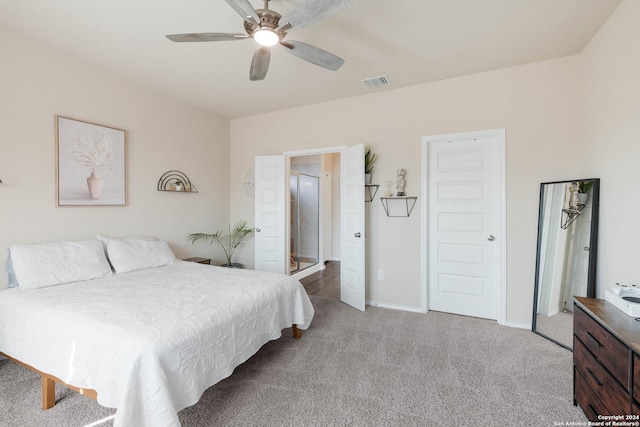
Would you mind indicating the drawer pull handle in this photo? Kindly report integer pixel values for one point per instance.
(594, 376)
(594, 339)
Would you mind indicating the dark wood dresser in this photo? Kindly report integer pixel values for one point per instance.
(606, 360)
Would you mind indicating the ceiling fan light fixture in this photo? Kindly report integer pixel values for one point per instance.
(266, 37)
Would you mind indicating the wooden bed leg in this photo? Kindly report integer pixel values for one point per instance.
(297, 333)
(48, 393)
(49, 385)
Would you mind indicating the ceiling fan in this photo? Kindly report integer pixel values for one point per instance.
(269, 28)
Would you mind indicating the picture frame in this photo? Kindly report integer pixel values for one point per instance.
(90, 164)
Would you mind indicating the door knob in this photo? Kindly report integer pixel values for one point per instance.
(490, 238)
(357, 234)
(258, 230)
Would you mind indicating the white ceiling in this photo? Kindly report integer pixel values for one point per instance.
(411, 41)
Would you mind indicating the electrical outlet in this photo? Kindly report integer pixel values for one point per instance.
(380, 274)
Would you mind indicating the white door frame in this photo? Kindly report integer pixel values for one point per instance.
(313, 151)
(300, 153)
(501, 288)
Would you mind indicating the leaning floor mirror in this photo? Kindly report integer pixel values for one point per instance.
(566, 256)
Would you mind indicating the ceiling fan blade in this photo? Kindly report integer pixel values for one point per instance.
(206, 37)
(313, 54)
(312, 11)
(260, 64)
(244, 9)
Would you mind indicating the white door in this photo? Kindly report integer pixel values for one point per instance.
(352, 239)
(553, 249)
(270, 218)
(465, 231)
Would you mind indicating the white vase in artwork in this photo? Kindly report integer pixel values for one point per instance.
(95, 184)
(582, 198)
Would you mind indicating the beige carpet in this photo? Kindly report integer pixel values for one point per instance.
(378, 368)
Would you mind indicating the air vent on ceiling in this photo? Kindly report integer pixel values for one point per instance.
(376, 81)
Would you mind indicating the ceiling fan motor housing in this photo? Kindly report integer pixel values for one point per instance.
(268, 19)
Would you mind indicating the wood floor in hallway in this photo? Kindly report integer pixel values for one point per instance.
(324, 283)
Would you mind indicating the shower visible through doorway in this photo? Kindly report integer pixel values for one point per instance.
(305, 221)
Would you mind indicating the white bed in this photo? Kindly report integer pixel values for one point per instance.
(150, 342)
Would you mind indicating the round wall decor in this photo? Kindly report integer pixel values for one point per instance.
(250, 183)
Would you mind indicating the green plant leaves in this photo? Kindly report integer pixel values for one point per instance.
(229, 242)
(585, 186)
(369, 161)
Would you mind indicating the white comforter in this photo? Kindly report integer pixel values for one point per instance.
(150, 342)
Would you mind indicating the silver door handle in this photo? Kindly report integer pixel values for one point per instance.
(357, 234)
(491, 237)
(258, 230)
(586, 248)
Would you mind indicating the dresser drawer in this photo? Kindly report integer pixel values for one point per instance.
(636, 377)
(613, 396)
(586, 398)
(605, 347)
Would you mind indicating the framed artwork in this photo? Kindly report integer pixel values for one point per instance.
(90, 164)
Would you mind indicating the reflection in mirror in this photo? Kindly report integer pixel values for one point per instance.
(566, 257)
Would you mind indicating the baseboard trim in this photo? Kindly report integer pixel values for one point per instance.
(394, 307)
(517, 325)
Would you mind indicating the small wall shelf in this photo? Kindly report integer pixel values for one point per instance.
(168, 179)
(570, 215)
(370, 192)
(409, 202)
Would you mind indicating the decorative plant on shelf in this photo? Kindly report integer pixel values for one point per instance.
(583, 189)
(585, 186)
(229, 242)
(178, 184)
(369, 161)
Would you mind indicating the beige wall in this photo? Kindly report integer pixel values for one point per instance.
(535, 103)
(36, 83)
(610, 129)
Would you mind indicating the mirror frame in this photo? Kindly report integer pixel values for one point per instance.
(593, 248)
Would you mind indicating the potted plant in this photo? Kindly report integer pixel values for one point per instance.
(229, 242)
(177, 184)
(583, 188)
(369, 160)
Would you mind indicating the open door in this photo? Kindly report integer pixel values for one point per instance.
(577, 271)
(352, 238)
(270, 214)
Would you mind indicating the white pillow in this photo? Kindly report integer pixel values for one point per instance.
(134, 254)
(38, 266)
(105, 239)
